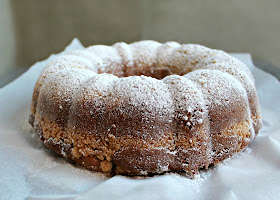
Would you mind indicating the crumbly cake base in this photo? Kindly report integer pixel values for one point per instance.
(129, 156)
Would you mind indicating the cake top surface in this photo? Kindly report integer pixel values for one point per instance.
(131, 72)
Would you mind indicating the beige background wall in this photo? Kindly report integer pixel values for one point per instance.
(7, 38)
(45, 27)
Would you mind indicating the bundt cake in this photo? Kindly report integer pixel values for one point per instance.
(146, 107)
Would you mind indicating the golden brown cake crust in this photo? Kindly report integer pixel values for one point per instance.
(137, 125)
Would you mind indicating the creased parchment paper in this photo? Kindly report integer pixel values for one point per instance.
(28, 170)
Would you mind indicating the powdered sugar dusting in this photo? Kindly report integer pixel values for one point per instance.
(111, 61)
(125, 53)
(62, 85)
(145, 53)
(144, 92)
(187, 100)
(207, 89)
(219, 86)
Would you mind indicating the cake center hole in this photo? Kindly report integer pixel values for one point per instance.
(155, 72)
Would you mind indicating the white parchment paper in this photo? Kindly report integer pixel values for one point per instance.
(28, 170)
